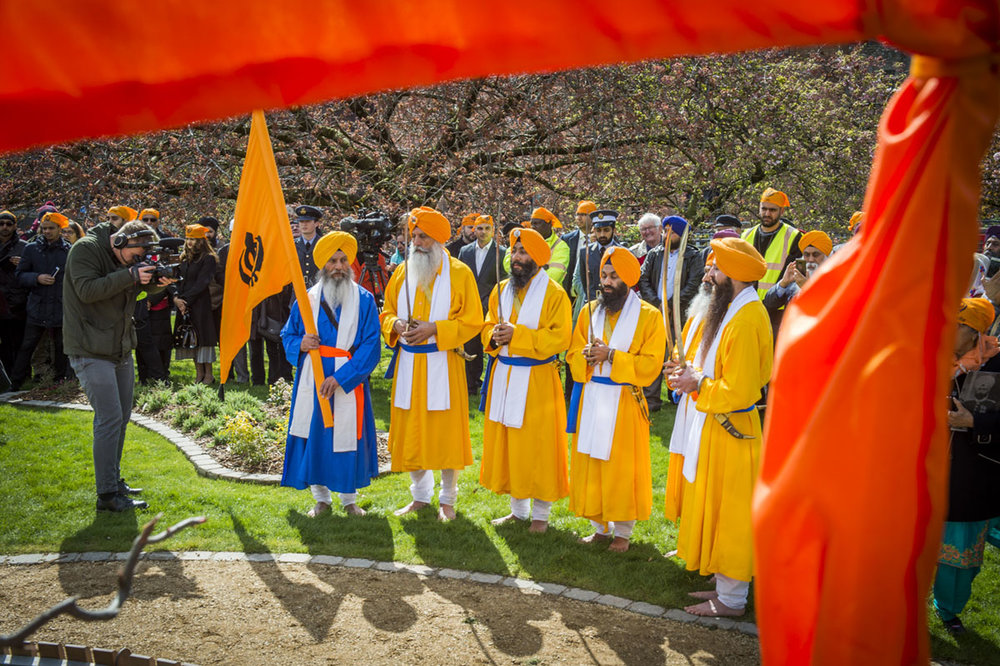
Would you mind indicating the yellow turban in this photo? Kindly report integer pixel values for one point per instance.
(976, 313)
(738, 259)
(776, 197)
(710, 259)
(57, 219)
(586, 208)
(625, 263)
(150, 212)
(484, 219)
(195, 231)
(533, 244)
(470, 220)
(818, 239)
(856, 219)
(431, 222)
(328, 245)
(546, 215)
(124, 212)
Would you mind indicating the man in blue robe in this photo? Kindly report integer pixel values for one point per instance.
(342, 458)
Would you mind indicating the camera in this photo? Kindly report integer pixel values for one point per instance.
(164, 257)
(372, 230)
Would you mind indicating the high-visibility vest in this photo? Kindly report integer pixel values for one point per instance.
(776, 255)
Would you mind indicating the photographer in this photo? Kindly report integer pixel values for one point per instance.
(104, 274)
(815, 247)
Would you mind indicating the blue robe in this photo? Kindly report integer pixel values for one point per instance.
(312, 461)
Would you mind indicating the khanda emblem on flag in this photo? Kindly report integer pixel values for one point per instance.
(251, 259)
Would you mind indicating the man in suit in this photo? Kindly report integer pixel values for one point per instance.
(308, 218)
(481, 257)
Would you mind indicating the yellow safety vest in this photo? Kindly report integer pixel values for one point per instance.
(775, 257)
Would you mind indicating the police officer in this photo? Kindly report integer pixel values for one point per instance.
(308, 218)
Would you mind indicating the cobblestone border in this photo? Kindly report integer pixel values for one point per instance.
(420, 570)
(207, 466)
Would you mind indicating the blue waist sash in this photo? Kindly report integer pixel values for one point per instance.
(413, 349)
(574, 401)
(519, 362)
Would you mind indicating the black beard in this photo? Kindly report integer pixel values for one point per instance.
(613, 300)
(722, 296)
(521, 274)
(675, 244)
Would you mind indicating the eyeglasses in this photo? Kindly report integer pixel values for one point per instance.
(150, 219)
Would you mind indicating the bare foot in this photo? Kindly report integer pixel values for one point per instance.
(595, 538)
(619, 545)
(538, 526)
(321, 507)
(714, 608)
(509, 518)
(704, 594)
(446, 512)
(410, 508)
(353, 509)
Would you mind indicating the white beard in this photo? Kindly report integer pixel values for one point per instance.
(699, 304)
(423, 266)
(335, 290)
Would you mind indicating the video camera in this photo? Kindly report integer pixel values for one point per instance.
(372, 230)
(164, 257)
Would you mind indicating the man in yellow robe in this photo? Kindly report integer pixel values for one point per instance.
(524, 432)
(610, 476)
(431, 310)
(722, 448)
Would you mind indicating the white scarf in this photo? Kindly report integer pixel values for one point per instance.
(689, 421)
(345, 423)
(438, 389)
(509, 384)
(599, 409)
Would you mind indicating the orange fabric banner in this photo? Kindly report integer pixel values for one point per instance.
(849, 506)
(262, 257)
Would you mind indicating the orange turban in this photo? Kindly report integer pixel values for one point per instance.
(546, 215)
(710, 259)
(195, 231)
(533, 244)
(470, 220)
(586, 208)
(625, 263)
(818, 239)
(856, 219)
(776, 197)
(57, 219)
(976, 313)
(149, 211)
(526, 224)
(124, 212)
(484, 219)
(431, 222)
(738, 259)
(328, 245)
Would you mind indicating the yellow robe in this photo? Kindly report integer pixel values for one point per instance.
(531, 461)
(620, 488)
(418, 438)
(716, 534)
(675, 468)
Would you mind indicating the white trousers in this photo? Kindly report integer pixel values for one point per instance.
(422, 486)
(322, 494)
(520, 508)
(621, 528)
(732, 593)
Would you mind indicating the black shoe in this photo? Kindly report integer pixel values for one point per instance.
(125, 489)
(954, 626)
(119, 503)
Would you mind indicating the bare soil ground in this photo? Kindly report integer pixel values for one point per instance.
(253, 613)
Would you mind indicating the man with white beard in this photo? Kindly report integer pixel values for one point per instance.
(342, 458)
(431, 310)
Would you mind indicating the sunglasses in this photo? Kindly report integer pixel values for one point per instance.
(150, 219)
(6, 224)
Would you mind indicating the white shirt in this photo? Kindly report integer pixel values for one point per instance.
(481, 256)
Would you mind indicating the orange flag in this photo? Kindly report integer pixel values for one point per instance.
(262, 257)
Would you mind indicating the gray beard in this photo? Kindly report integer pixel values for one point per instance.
(423, 266)
(335, 290)
(699, 304)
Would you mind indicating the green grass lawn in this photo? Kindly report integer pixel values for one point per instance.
(48, 506)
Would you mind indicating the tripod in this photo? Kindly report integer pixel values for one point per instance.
(376, 278)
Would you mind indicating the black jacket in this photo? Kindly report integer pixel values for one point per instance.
(596, 252)
(486, 280)
(306, 261)
(692, 272)
(455, 245)
(44, 301)
(974, 491)
(572, 240)
(193, 289)
(13, 297)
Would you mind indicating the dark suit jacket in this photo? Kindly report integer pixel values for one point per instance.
(487, 278)
(596, 252)
(306, 261)
(572, 240)
(691, 274)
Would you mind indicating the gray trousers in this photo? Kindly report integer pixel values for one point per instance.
(109, 389)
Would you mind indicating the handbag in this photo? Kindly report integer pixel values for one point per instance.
(185, 336)
(268, 327)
